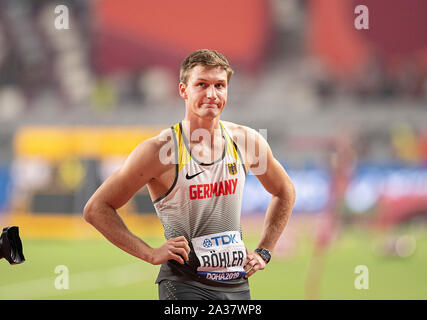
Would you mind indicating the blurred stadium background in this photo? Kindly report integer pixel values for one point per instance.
(345, 112)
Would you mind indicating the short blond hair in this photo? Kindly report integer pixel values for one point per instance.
(206, 58)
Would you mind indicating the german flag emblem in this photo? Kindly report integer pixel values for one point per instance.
(232, 168)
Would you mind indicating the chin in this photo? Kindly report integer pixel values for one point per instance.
(209, 113)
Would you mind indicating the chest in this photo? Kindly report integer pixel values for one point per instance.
(224, 178)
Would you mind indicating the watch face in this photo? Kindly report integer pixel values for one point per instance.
(264, 253)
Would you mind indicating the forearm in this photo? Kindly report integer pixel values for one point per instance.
(106, 220)
(276, 219)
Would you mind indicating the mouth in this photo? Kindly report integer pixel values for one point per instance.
(209, 105)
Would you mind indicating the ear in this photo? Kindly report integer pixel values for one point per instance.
(182, 90)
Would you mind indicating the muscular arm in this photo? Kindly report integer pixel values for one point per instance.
(277, 182)
(140, 167)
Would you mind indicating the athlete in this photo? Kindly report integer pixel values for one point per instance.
(195, 172)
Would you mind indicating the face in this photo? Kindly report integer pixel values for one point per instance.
(206, 91)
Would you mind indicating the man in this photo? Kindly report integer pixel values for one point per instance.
(195, 173)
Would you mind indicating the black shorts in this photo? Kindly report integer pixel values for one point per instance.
(175, 290)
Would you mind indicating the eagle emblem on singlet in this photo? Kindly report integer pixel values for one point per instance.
(232, 168)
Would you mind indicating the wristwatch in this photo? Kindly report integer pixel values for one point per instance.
(264, 253)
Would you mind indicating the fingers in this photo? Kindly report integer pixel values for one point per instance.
(178, 249)
(251, 266)
(250, 271)
(182, 253)
(173, 249)
(253, 263)
(176, 258)
(181, 242)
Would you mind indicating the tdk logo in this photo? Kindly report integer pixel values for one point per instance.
(220, 240)
(207, 243)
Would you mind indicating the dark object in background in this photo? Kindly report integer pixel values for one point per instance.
(11, 245)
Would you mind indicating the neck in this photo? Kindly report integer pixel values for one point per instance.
(203, 126)
(211, 125)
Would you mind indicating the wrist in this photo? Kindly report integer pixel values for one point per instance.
(148, 255)
(264, 253)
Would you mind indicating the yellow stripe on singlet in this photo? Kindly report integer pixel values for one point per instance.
(184, 156)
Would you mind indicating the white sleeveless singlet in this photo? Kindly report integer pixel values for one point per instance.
(204, 206)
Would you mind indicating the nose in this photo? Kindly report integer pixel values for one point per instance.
(210, 92)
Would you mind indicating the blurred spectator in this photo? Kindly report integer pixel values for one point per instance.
(12, 103)
(103, 95)
(158, 86)
(405, 143)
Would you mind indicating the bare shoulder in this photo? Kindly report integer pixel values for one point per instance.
(232, 126)
(155, 153)
(154, 144)
(241, 132)
(235, 129)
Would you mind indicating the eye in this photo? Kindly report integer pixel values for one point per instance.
(220, 85)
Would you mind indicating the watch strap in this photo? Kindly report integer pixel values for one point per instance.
(264, 253)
